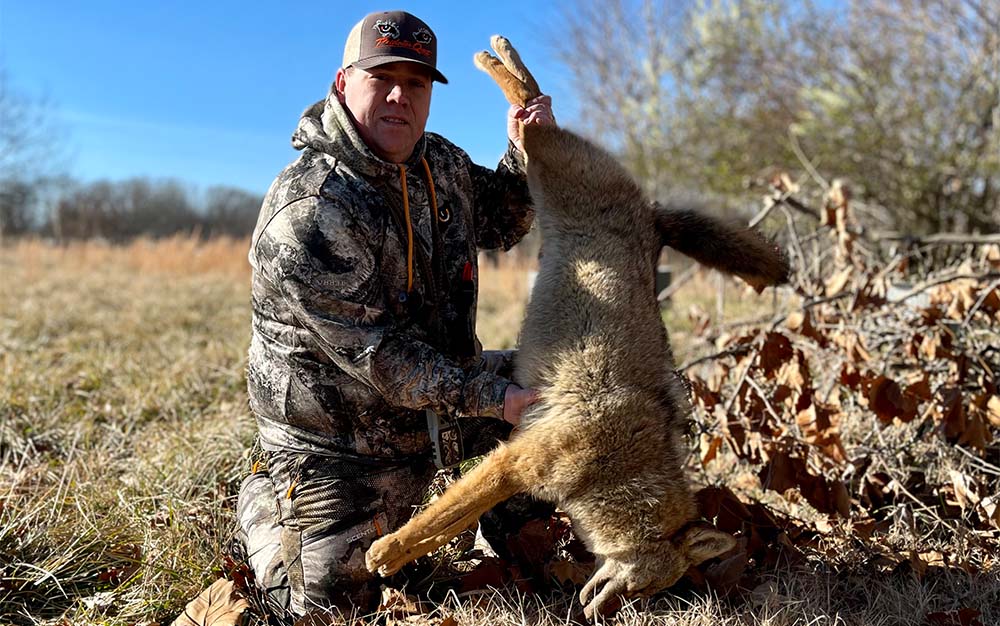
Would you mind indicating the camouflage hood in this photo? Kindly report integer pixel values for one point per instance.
(326, 127)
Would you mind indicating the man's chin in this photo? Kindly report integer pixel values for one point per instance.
(396, 151)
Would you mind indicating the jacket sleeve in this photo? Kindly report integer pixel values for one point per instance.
(503, 204)
(324, 266)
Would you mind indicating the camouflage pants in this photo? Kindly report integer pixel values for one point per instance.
(307, 521)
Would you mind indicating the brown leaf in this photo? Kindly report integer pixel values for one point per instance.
(989, 510)
(819, 428)
(920, 388)
(877, 490)
(966, 490)
(977, 433)
(794, 374)
(128, 559)
(802, 323)
(852, 344)
(850, 377)
(920, 562)
(784, 472)
(567, 571)
(990, 255)
(993, 410)
(722, 507)
(399, 604)
(961, 617)
(950, 412)
(886, 399)
(725, 575)
(703, 394)
(700, 320)
(710, 445)
(218, 605)
(936, 346)
(837, 281)
(775, 351)
(991, 301)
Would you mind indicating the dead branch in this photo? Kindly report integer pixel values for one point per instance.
(936, 239)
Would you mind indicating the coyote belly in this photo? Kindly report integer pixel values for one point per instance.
(604, 440)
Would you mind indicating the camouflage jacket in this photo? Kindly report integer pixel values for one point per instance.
(350, 345)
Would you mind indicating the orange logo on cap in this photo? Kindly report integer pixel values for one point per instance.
(387, 42)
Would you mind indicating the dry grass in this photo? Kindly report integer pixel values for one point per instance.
(122, 425)
(123, 430)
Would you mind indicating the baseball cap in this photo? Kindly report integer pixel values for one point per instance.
(387, 36)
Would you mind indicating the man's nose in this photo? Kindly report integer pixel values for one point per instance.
(398, 94)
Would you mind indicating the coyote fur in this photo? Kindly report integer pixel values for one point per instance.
(604, 442)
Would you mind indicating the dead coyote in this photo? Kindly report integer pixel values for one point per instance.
(604, 442)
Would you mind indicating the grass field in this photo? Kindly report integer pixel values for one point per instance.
(124, 429)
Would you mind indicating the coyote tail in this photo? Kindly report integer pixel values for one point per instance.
(729, 248)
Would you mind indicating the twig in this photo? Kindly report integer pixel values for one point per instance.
(940, 281)
(936, 239)
(983, 465)
(806, 163)
(799, 206)
(675, 285)
(739, 383)
(979, 301)
(767, 403)
(762, 215)
(796, 245)
(740, 349)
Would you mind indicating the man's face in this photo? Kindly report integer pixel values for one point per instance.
(390, 104)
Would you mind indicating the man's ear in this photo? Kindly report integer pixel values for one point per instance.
(701, 544)
(339, 83)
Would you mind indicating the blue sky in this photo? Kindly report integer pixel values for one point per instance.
(210, 92)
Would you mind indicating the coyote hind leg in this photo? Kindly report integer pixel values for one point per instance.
(509, 72)
(491, 482)
(512, 61)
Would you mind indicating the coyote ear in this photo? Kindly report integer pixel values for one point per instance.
(701, 543)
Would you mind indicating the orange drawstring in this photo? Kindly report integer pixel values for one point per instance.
(430, 186)
(409, 230)
(406, 213)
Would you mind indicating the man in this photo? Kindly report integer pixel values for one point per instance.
(364, 307)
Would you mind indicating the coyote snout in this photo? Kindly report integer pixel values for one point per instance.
(604, 442)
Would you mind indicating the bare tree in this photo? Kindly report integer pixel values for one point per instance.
(29, 156)
(901, 96)
(231, 211)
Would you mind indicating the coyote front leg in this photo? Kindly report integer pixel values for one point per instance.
(492, 481)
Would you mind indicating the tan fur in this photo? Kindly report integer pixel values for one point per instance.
(604, 441)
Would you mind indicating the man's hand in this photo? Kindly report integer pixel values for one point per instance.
(515, 401)
(538, 111)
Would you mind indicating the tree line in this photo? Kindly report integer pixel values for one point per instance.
(118, 211)
(36, 197)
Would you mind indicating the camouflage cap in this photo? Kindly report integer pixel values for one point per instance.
(389, 36)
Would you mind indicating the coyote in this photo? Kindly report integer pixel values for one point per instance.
(604, 441)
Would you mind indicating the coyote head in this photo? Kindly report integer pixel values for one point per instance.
(654, 568)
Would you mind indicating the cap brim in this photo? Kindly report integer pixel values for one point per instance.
(383, 59)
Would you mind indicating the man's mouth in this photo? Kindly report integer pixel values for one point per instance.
(398, 121)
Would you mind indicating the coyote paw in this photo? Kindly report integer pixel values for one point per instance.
(386, 556)
(607, 585)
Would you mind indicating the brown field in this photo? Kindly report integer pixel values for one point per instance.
(124, 430)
